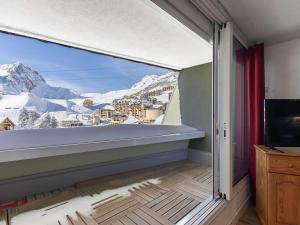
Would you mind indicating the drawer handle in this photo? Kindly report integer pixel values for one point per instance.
(291, 165)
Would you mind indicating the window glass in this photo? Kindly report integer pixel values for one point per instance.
(46, 85)
(241, 156)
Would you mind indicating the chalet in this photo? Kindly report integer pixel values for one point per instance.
(7, 124)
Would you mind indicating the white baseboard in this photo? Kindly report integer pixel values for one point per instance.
(198, 156)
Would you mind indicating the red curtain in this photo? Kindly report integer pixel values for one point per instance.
(255, 91)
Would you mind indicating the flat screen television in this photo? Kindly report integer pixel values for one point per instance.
(282, 122)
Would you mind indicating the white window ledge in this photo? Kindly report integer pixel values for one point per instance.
(38, 143)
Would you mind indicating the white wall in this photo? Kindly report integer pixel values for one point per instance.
(282, 70)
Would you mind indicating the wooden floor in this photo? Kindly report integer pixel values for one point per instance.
(249, 217)
(159, 195)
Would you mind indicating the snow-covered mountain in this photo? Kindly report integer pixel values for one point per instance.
(154, 81)
(107, 97)
(17, 78)
(147, 84)
(25, 89)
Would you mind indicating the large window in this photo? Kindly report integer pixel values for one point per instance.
(45, 85)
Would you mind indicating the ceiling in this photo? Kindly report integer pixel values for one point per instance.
(133, 29)
(269, 21)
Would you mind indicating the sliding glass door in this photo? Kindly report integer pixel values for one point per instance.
(232, 117)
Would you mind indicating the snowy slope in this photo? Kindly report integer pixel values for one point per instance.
(148, 83)
(71, 106)
(145, 82)
(106, 97)
(131, 120)
(41, 105)
(30, 101)
(47, 91)
(154, 81)
(13, 101)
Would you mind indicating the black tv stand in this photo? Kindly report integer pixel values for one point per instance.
(276, 149)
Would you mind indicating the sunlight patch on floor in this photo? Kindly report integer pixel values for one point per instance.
(51, 214)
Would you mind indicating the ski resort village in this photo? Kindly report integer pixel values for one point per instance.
(27, 101)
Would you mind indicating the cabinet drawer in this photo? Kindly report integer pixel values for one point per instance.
(284, 164)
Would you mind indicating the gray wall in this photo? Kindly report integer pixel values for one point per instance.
(48, 164)
(45, 174)
(191, 103)
(195, 88)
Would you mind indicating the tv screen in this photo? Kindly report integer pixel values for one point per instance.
(282, 122)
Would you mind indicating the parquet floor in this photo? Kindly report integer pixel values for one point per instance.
(158, 195)
(249, 217)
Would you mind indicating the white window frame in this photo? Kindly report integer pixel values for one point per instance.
(225, 71)
(215, 111)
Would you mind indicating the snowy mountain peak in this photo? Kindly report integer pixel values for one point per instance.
(146, 81)
(19, 70)
(17, 78)
(155, 80)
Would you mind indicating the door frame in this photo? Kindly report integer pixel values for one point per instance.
(225, 122)
(215, 112)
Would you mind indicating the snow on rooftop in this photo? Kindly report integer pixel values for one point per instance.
(71, 117)
(157, 106)
(109, 107)
(131, 120)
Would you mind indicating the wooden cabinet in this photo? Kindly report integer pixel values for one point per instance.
(284, 199)
(278, 186)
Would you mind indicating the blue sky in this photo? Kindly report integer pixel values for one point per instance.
(73, 68)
